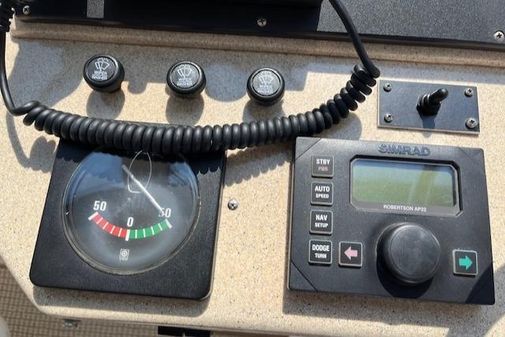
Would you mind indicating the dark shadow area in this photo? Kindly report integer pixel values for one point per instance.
(27, 85)
(189, 110)
(429, 122)
(254, 111)
(227, 80)
(41, 150)
(104, 105)
(250, 163)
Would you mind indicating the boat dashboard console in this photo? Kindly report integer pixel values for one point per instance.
(237, 165)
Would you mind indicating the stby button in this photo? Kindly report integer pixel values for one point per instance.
(322, 194)
(321, 222)
(350, 254)
(322, 166)
(320, 252)
(465, 262)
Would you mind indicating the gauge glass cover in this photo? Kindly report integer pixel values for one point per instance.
(130, 214)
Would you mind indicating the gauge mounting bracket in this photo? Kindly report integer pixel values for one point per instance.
(186, 275)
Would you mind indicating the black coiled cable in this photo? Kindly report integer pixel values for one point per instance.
(168, 139)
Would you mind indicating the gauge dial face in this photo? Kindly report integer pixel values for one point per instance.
(127, 215)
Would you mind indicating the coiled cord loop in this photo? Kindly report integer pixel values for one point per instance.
(188, 139)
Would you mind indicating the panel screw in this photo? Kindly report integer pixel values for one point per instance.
(70, 323)
(262, 22)
(471, 123)
(499, 36)
(388, 87)
(469, 92)
(388, 118)
(233, 204)
(26, 10)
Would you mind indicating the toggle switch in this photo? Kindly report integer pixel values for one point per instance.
(429, 104)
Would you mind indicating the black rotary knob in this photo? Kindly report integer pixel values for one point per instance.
(265, 86)
(410, 252)
(186, 79)
(104, 73)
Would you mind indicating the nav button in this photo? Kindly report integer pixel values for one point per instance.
(321, 222)
(465, 262)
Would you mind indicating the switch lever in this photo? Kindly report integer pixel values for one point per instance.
(429, 104)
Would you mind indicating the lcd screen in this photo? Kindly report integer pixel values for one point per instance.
(404, 187)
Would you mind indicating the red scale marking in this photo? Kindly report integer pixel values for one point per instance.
(108, 227)
(115, 231)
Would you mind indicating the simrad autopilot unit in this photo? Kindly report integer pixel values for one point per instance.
(396, 220)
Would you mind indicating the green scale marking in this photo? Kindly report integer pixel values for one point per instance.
(147, 232)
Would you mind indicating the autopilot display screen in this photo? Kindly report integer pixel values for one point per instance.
(404, 187)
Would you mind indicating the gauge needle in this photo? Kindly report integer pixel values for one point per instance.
(142, 189)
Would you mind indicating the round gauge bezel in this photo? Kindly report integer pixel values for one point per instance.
(67, 218)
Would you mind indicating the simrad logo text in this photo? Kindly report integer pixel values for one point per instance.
(405, 150)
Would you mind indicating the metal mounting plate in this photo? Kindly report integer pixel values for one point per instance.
(398, 107)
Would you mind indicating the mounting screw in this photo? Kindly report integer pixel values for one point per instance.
(499, 36)
(471, 123)
(70, 323)
(261, 22)
(26, 10)
(469, 92)
(388, 87)
(232, 204)
(388, 118)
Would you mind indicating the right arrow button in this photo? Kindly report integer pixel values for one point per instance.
(465, 262)
(350, 254)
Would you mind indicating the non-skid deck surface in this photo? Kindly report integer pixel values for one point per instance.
(25, 320)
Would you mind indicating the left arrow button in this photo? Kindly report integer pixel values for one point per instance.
(350, 254)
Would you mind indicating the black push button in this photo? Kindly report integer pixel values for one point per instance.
(186, 79)
(465, 262)
(322, 194)
(350, 254)
(104, 73)
(265, 86)
(322, 166)
(320, 252)
(321, 222)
